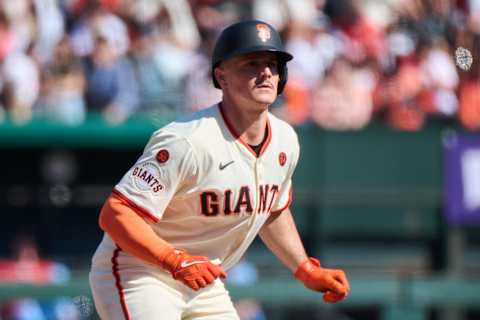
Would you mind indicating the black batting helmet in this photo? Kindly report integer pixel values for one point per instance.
(250, 36)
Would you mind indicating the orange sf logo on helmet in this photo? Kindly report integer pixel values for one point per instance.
(263, 32)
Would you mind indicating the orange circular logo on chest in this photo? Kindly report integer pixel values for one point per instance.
(163, 156)
(282, 158)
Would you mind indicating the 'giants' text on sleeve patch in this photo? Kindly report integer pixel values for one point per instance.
(146, 177)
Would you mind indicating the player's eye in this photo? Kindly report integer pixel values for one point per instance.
(272, 65)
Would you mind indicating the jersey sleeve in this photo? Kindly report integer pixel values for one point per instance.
(285, 195)
(167, 164)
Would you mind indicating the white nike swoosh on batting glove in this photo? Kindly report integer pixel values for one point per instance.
(185, 264)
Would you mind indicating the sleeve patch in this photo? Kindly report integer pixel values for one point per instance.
(146, 177)
(162, 156)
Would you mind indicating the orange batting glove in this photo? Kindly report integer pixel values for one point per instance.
(194, 271)
(332, 282)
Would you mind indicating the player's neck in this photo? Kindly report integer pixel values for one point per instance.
(250, 125)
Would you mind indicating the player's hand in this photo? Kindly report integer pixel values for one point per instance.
(332, 282)
(194, 271)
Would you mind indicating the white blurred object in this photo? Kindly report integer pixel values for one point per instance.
(183, 26)
(401, 43)
(314, 51)
(474, 6)
(21, 22)
(381, 13)
(21, 72)
(446, 102)
(272, 11)
(344, 101)
(174, 61)
(308, 63)
(199, 90)
(463, 58)
(302, 10)
(243, 273)
(278, 13)
(471, 179)
(114, 30)
(440, 69)
(144, 10)
(50, 28)
(101, 24)
(28, 309)
(65, 309)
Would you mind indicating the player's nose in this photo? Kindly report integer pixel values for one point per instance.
(266, 72)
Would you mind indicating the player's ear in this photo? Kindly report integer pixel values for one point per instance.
(219, 75)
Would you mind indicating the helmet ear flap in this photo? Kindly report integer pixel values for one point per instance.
(283, 78)
(214, 79)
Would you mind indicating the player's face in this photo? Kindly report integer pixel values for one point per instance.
(251, 78)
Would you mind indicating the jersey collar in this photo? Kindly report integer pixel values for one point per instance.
(239, 139)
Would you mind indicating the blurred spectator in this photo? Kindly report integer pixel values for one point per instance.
(214, 15)
(470, 104)
(157, 92)
(21, 21)
(63, 87)
(400, 94)
(164, 54)
(19, 78)
(294, 104)
(314, 49)
(97, 23)
(154, 90)
(304, 43)
(408, 45)
(249, 309)
(199, 90)
(49, 29)
(441, 78)
(26, 266)
(19, 83)
(22, 309)
(343, 100)
(280, 12)
(363, 40)
(179, 37)
(181, 24)
(111, 83)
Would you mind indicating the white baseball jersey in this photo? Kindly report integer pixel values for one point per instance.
(205, 190)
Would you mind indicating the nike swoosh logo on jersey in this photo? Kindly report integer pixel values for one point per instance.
(223, 166)
(185, 264)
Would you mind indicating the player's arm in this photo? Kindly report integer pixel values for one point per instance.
(134, 235)
(281, 236)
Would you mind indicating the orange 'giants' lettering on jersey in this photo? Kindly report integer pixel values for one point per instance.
(212, 206)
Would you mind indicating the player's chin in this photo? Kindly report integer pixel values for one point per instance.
(265, 96)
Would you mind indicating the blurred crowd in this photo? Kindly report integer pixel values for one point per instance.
(356, 61)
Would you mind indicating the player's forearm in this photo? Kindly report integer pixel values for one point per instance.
(131, 232)
(280, 235)
(135, 236)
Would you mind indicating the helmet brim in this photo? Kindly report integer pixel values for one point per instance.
(282, 56)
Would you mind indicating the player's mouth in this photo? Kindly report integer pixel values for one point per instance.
(265, 85)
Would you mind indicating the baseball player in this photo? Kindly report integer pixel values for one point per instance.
(204, 187)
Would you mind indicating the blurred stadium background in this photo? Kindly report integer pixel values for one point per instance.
(387, 187)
